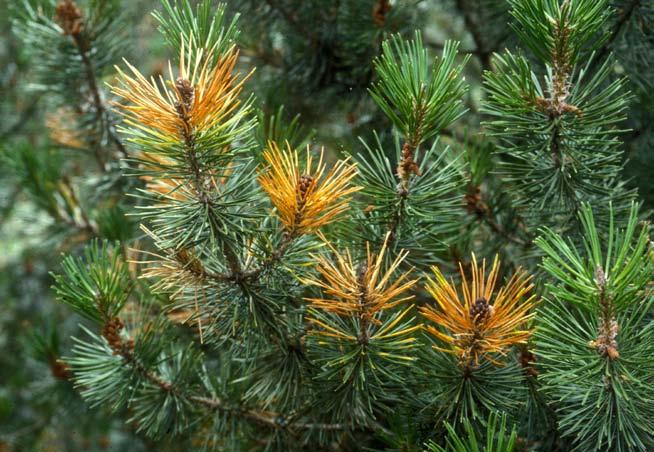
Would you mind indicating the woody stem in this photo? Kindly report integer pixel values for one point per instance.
(101, 111)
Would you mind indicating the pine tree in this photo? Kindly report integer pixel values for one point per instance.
(458, 263)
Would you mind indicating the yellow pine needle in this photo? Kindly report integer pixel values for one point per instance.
(394, 356)
(481, 324)
(331, 331)
(306, 199)
(381, 333)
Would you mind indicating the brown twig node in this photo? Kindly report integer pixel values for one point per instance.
(59, 369)
(190, 261)
(606, 342)
(474, 202)
(69, 17)
(186, 93)
(527, 361)
(407, 164)
(555, 108)
(111, 332)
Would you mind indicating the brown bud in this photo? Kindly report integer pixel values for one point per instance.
(480, 310)
(527, 360)
(567, 108)
(104, 442)
(59, 369)
(111, 332)
(612, 353)
(69, 17)
(362, 269)
(186, 93)
(474, 202)
(304, 185)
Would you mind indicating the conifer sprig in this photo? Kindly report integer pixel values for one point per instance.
(563, 30)
(434, 90)
(361, 290)
(195, 101)
(98, 286)
(497, 437)
(207, 26)
(186, 130)
(484, 323)
(306, 199)
(408, 214)
(593, 337)
(87, 38)
(420, 101)
(558, 137)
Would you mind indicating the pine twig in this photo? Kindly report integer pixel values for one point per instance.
(111, 332)
(476, 205)
(269, 419)
(498, 229)
(102, 113)
(70, 18)
(85, 224)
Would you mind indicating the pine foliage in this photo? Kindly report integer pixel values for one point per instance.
(470, 270)
(595, 334)
(560, 130)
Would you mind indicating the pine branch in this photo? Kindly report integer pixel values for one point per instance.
(85, 224)
(499, 229)
(597, 295)
(420, 100)
(102, 115)
(274, 258)
(269, 419)
(475, 204)
(201, 177)
(397, 219)
(237, 274)
(560, 137)
(125, 349)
